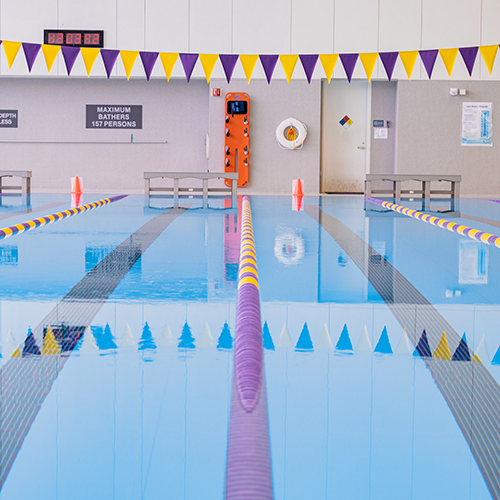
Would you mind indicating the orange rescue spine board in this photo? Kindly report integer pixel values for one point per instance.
(236, 134)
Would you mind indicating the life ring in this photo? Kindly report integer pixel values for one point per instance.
(291, 134)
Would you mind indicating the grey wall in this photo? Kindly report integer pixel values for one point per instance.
(271, 169)
(382, 151)
(54, 111)
(429, 128)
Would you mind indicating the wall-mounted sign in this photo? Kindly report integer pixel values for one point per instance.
(378, 123)
(346, 122)
(106, 116)
(8, 118)
(476, 123)
(74, 38)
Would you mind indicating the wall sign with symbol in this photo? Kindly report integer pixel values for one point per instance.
(346, 122)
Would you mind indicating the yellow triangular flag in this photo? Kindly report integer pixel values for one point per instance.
(288, 63)
(408, 58)
(489, 52)
(443, 349)
(89, 55)
(128, 58)
(50, 53)
(248, 62)
(11, 49)
(16, 353)
(328, 61)
(168, 59)
(208, 62)
(448, 56)
(369, 61)
(50, 346)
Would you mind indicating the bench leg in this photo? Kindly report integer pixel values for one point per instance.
(205, 192)
(397, 190)
(368, 189)
(146, 186)
(176, 189)
(426, 188)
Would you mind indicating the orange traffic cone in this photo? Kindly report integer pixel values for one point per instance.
(76, 188)
(297, 205)
(298, 188)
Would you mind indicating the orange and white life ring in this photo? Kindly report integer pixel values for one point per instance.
(291, 134)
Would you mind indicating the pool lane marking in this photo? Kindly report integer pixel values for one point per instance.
(7, 232)
(26, 381)
(465, 386)
(474, 234)
(248, 463)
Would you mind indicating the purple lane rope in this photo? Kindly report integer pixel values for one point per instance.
(248, 468)
(6, 232)
(474, 234)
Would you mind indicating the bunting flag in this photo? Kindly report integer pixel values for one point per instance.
(168, 60)
(328, 62)
(344, 343)
(188, 62)
(443, 349)
(384, 345)
(368, 60)
(70, 54)
(228, 62)
(148, 62)
(267, 339)
(422, 349)
(11, 49)
(349, 63)
(448, 56)
(50, 53)
(30, 346)
(409, 58)
(31, 51)
(428, 58)
(208, 62)
(268, 64)
(469, 55)
(89, 55)
(50, 346)
(288, 62)
(389, 61)
(304, 343)
(309, 63)
(128, 59)
(248, 63)
(489, 53)
(109, 57)
(462, 352)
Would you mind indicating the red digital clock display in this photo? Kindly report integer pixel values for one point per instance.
(74, 38)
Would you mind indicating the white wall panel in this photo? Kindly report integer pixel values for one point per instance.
(356, 26)
(210, 29)
(312, 26)
(450, 24)
(261, 27)
(130, 32)
(399, 25)
(167, 30)
(24, 21)
(490, 23)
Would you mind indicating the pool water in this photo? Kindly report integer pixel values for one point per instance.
(135, 400)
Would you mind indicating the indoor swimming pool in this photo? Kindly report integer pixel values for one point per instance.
(118, 323)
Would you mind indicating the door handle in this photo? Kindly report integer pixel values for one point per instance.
(361, 147)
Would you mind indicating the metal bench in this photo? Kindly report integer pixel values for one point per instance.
(189, 191)
(25, 176)
(396, 191)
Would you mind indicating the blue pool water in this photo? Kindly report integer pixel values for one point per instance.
(146, 413)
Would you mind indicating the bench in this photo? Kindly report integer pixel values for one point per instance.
(204, 189)
(25, 176)
(397, 179)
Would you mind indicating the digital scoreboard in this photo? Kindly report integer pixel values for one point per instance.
(74, 38)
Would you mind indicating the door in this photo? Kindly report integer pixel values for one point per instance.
(344, 145)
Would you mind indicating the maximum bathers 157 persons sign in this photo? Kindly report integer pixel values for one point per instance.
(113, 116)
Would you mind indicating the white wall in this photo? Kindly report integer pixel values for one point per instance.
(260, 26)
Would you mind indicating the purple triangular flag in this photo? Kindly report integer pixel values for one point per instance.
(148, 61)
(70, 54)
(268, 63)
(469, 56)
(389, 61)
(309, 63)
(31, 51)
(109, 57)
(188, 61)
(228, 62)
(349, 63)
(428, 58)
